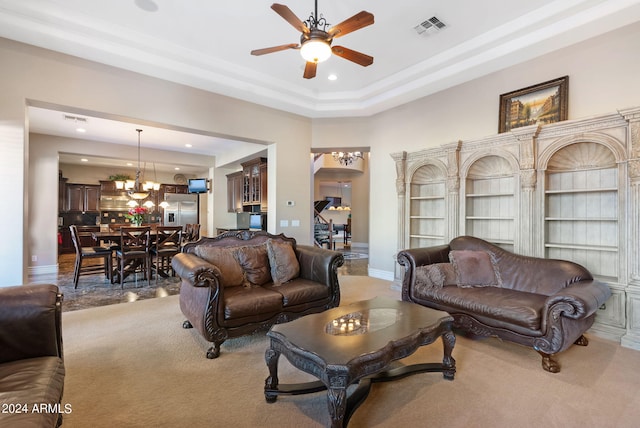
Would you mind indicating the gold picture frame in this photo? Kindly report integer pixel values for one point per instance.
(538, 104)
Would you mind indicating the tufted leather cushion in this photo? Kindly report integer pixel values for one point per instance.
(231, 272)
(283, 261)
(475, 268)
(255, 263)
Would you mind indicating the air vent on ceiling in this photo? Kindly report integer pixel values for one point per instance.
(430, 26)
(75, 118)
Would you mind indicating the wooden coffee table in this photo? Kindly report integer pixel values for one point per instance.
(356, 344)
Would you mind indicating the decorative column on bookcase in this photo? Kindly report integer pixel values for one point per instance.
(453, 190)
(526, 237)
(632, 338)
(401, 190)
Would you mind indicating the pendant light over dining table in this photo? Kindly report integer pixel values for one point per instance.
(137, 190)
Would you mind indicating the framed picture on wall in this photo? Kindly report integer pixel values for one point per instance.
(538, 104)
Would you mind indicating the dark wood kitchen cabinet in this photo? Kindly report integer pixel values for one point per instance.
(254, 184)
(234, 192)
(82, 197)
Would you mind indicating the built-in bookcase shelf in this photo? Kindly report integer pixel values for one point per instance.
(427, 208)
(581, 204)
(490, 203)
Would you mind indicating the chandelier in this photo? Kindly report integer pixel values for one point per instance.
(346, 158)
(135, 188)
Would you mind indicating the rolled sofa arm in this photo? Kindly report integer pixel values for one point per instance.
(195, 270)
(30, 322)
(319, 265)
(579, 300)
(415, 257)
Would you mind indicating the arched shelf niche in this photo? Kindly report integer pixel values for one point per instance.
(490, 200)
(427, 205)
(583, 208)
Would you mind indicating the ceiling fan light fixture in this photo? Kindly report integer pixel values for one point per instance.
(315, 50)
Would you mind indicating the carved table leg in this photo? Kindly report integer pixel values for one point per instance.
(448, 362)
(337, 401)
(271, 382)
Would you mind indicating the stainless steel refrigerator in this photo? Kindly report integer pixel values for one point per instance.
(182, 209)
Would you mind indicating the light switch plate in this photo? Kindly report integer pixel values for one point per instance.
(284, 223)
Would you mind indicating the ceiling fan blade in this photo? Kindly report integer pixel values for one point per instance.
(310, 70)
(290, 17)
(352, 24)
(351, 55)
(274, 49)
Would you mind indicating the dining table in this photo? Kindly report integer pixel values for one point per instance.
(113, 237)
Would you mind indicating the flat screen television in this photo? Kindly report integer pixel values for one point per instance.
(198, 185)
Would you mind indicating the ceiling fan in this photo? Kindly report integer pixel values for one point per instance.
(315, 41)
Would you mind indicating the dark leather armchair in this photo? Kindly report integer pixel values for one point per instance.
(31, 362)
(219, 304)
(545, 304)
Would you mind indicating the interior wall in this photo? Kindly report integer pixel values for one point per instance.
(602, 72)
(33, 74)
(602, 78)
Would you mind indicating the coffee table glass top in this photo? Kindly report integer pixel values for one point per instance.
(361, 322)
(341, 334)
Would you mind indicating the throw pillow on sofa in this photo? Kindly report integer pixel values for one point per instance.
(283, 261)
(436, 275)
(475, 268)
(255, 263)
(230, 270)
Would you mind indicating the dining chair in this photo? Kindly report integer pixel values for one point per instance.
(167, 244)
(191, 233)
(134, 254)
(84, 253)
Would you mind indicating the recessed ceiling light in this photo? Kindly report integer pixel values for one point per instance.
(84, 160)
(332, 77)
(177, 169)
(188, 145)
(81, 130)
(129, 164)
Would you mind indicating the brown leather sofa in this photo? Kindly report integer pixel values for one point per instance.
(238, 283)
(31, 364)
(542, 303)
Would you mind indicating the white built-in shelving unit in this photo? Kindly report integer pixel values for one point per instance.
(490, 202)
(568, 190)
(427, 207)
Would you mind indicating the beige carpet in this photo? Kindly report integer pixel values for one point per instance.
(132, 365)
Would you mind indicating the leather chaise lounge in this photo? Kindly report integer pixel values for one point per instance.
(238, 283)
(540, 303)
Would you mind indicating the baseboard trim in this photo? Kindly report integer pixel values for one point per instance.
(43, 270)
(381, 274)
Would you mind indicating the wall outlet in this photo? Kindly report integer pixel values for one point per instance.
(291, 203)
(295, 223)
(34, 258)
(284, 223)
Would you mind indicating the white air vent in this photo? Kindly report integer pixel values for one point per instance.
(430, 26)
(75, 118)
